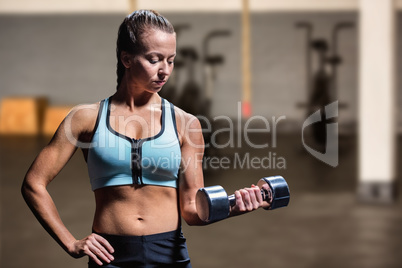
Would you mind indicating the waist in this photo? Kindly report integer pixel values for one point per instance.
(139, 210)
(141, 238)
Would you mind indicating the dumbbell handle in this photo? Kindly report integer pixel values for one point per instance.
(266, 196)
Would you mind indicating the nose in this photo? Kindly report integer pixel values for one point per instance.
(164, 70)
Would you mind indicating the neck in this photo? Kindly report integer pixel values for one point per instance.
(133, 97)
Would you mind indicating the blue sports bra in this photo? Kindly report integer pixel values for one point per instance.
(115, 159)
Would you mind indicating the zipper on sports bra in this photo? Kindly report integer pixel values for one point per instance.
(136, 161)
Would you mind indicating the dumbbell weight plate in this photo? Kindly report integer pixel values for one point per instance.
(212, 203)
(280, 192)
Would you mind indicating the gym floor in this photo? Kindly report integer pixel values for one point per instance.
(323, 226)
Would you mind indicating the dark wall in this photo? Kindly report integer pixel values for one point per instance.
(71, 58)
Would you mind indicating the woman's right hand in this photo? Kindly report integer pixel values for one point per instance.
(94, 246)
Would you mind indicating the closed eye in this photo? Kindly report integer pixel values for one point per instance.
(171, 59)
(154, 58)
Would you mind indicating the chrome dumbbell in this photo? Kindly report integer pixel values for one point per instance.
(213, 203)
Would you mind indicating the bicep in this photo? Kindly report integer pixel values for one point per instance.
(60, 149)
(191, 178)
(52, 158)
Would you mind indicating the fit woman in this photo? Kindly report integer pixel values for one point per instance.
(136, 144)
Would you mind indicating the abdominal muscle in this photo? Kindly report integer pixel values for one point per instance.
(136, 210)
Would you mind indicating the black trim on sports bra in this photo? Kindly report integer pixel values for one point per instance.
(174, 120)
(132, 139)
(98, 118)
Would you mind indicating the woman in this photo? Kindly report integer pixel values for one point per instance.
(134, 143)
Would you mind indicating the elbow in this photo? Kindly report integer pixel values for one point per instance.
(195, 223)
(26, 189)
(192, 219)
(29, 189)
(192, 223)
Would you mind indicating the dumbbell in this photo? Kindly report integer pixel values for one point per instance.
(213, 203)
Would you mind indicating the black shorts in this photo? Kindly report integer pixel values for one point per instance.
(159, 250)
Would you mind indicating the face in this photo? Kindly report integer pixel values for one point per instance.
(150, 69)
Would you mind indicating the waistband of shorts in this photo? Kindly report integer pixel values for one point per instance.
(142, 238)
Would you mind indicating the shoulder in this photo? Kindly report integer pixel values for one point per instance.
(188, 127)
(186, 121)
(81, 120)
(84, 113)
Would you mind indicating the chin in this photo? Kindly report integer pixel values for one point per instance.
(155, 90)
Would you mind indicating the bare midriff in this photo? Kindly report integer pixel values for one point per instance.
(136, 210)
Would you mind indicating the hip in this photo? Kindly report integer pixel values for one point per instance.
(167, 249)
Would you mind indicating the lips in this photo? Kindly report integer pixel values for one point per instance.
(160, 82)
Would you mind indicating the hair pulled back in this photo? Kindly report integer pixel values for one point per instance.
(131, 30)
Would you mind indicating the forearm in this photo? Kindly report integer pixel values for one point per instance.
(40, 202)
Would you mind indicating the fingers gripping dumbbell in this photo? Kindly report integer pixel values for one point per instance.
(213, 203)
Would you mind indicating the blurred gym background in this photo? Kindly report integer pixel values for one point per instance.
(238, 59)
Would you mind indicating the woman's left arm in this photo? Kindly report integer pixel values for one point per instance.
(247, 199)
(191, 177)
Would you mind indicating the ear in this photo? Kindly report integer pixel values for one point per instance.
(126, 59)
